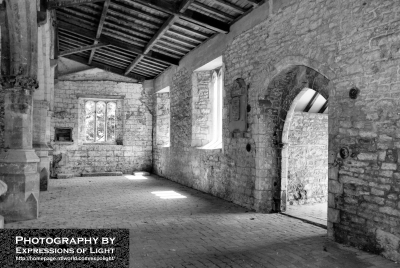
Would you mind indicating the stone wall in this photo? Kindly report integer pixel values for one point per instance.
(354, 44)
(308, 159)
(134, 122)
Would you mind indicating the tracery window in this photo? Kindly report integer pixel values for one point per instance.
(100, 120)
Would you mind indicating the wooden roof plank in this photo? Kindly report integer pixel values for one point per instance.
(213, 10)
(231, 6)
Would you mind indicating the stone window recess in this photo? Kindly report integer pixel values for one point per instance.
(101, 120)
(207, 109)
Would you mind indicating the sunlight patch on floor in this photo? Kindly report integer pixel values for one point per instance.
(168, 194)
(135, 177)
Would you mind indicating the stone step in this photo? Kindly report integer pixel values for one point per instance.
(141, 173)
(65, 176)
(102, 174)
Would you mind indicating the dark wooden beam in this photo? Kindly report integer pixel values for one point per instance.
(53, 4)
(323, 108)
(311, 102)
(80, 49)
(100, 28)
(167, 24)
(105, 67)
(184, 5)
(117, 43)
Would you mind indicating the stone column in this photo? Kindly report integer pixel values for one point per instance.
(41, 119)
(18, 161)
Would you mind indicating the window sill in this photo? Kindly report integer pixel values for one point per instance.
(101, 143)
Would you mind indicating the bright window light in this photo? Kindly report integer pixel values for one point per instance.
(135, 177)
(168, 194)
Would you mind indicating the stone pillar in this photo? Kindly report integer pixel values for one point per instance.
(18, 161)
(41, 119)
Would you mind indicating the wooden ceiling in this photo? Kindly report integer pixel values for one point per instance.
(140, 38)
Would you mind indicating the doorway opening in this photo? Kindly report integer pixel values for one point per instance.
(305, 158)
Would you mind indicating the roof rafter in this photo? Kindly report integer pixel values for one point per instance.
(99, 28)
(311, 102)
(167, 24)
(323, 108)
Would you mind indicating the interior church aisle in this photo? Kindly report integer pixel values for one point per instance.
(175, 226)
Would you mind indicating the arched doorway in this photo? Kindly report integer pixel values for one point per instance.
(304, 174)
(275, 102)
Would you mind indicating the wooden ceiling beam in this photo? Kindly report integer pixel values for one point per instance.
(117, 43)
(53, 4)
(100, 28)
(105, 67)
(323, 108)
(184, 5)
(311, 102)
(84, 48)
(167, 24)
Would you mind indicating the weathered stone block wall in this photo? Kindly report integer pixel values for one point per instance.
(308, 159)
(133, 112)
(163, 119)
(352, 43)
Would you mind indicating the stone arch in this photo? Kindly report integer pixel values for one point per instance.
(293, 73)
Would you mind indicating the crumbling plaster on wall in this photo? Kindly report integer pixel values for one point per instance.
(352, 43)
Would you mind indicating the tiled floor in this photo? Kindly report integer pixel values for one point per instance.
(317, 213)
(189, 228)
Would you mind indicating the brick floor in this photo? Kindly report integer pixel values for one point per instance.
(197, 231)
